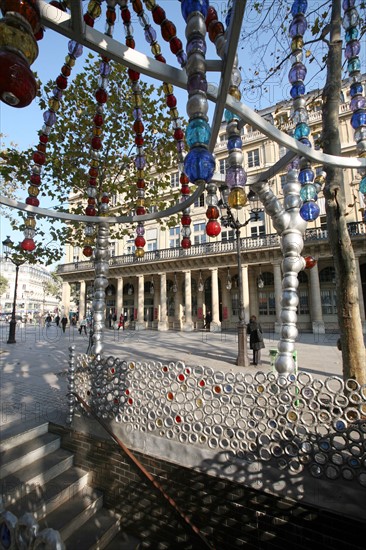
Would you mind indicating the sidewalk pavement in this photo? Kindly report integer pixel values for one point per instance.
(33, 380)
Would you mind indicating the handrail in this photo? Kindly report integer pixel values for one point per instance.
(143, 470)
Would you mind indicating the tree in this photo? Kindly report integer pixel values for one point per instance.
(3, 284)
(68, 155)
(54, 286)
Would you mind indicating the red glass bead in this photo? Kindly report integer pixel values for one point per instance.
(18, 87)
(130, 401)
(201, 383)
(215, 30)
(138, 127)
(140, 184)
(310, 262)
(66, 70)
(91, 201)
(170, 396)
(130, 43)
(186, 220)
(87, 251)
(61, 82)
(211, 15)
(96, 142)
(175, 45)
(28, 245)
(140, 210)
(98, 120)
(92, 182)
(88, 20)
(35, 179)
(186, 243)
(39, 35)
(178, 419)
(93, 172)
(184, 178)
(126, 15)
(212, 213)
(39, 158)
(213, 228)
(168, 30)
(140, 241)
(43, 138)
(127, 392)
(101, 95)
(90, 210)
(185, 190)
(171, 101)
(178, 134)
(105, 59)
(181, 377)
(111, 16)
(133, 75)
(160, 58)
(165, 368)
(137, 6)
(41, 147)
(139, 140)
(158, 15)
(32, 201)
(27, 8)
(105, 199)
(217, 389)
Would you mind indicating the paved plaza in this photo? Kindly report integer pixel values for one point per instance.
(34, 370)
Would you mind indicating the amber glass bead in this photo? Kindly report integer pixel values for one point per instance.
(139, 252)
(158, 15)
(137, 6)
(150, 4)
(41, 147)
(30, 223)
(111, 16)
(17, 39)
(235, 92)
(215, 30)
(97, 131)
(174, 113)
(70, 61)
(66, 70)
(237, 198)
(126, 15)
(168, 30)
(54, 104)
(156, 49)
(137, 100)
(89, 240)
(140, 202)
(140, 174)
(27, 8)
(138, 127)
(87, 251)
(167, 88)
(212, 213)
(297, 43)
(33, 190)
(94, 9)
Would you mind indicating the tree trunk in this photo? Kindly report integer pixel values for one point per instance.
(353, 349)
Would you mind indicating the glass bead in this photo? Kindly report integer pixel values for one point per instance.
(18, 85)
(358, 102)
(49, 117)
(140, 230)
(235, 92)
(158, 15)
(212, 200)
(92, 192)
(29, 233)
(215, 30)
(94, 9)
(199, 164)
(298, 26)
(198, 131)
(305, 141)
(235, 79)
(235, 177)
(180, 146)
(299, 6)
(234, 143)
(89, 230)
(350, 19)
(297, 57)
(300, 116)
(347, 4)
(186, 243)
(228, 18)
(66, 70)
(309, 211)
(297, 90)
(171, 101)
(104, 68)
(352, 49)
(186, 231)
(144, 20)
(197, 82)
(33, 190)
(75, 49)
(229, 116)
(182, 58)
(57, 94)
(301, 130)
(351, 34)
(140, 241)
(308, 192)
(358, 119)
(212, 213)
(306, 176)
(61, 82)
(30, 222)
(140, 162)
(297, 72)
(168, 30)
(196, 45)
(70, 61)
(28, 245)
(211, 15)
(150, 35)
(213, 228)
(356, 88)
(139, 252)
(28, 9)
(189, 6)
(237, 198)
(174, 113)
(354, 65)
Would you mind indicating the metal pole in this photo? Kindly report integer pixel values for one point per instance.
(13, 322)
(242, 360)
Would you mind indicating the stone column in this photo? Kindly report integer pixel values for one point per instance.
(253, 294)
(188, 324)
(140, 323)
(65, 298)
(119, 300)
(82, 300)
(360, 293)
(315, 302)
(178, 307)
(215, 325)
(163, 320)
(200, 312)
(245, 290)
(278, 294)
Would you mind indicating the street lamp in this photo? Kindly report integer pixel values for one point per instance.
(228, 219)
(17, 261)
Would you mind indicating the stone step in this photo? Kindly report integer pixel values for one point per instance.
(44, 499)
(27, 452)
(123, 541)
(16, 433)
(16, 485)
(70, 516)
(96, 533)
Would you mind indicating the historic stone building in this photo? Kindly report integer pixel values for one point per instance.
(172, 288)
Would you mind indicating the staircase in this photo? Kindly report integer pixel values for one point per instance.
(39, 477)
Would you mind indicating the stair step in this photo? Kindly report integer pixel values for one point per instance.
(96, 533)
(16, 485)
(17, 457)
(16, 433)
(45, 499)
(71, 515)
(123, 541)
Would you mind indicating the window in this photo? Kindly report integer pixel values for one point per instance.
(235, 304)
(227, 236)
(76, 254)
(174, 237)
(283, 180)
(199, 233)
(174, 179)
(327, 291)
(130, 247)
(253, 158)
(223, 166)
(200, 201)
(112, 249)
(267, 302)
(257, 227)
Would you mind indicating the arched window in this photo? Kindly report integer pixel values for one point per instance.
(328, 291)
(266, 295)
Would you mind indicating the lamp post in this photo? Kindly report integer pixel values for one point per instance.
(229, 220)
(17, 261)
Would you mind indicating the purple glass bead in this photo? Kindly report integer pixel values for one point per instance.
(352, 49)
(350, 19)
(182, 58)
(234, 143)
(140, 162)
(150, 35)
(235, 177)
(75, 49)
(140, 230)
(49, 117)
(189, 6)
(297, 90)
(57, 93)
(309, 211)
(104, 68)
(297, 72)
(358, 119)
(294, 164)
(199, 164)
(358, 102)
(299, 6)
(196, 45)
(197, 82)
(180, 146)
(137, 114)
(348, 4)
(298, 26)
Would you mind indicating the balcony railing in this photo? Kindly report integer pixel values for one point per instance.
(215, 248)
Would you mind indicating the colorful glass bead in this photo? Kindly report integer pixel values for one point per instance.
(189, 6)
(237, 198)
(213, 228)
(28, 245)
(299, 6)
(363, 185)
(235, 177)
(353, 48)
(199, 164)
(301, 130)
(351, 34)
(297, 72)
(234, 143)
(308, 192)
(198, 131)
(26, 8)
(350, 19)
(356, 88)
(310, 262)
(358, 119)
(306, 176)
(309, 211)
(298, 26)
(186, 243)
(18, 86)
(354, 65)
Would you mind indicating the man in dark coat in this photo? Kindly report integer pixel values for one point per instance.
(256, 339)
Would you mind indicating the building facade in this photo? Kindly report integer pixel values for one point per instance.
(172, 288)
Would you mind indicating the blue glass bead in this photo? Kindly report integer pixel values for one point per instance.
(305, 141)
(299, 6)
(150, 35)
(358, 102)
(354, 65)
(347, 4)
(363, 185)
(308, 193)
(57, 93)
(298, 26)
(189, 6)
(140, 162)
(309, 211)
(306, 176)
(49, 117)
(229, 116)
(199, 164)
(297, 90)
(350, 19)
(137, 114)
(198, 131)
(356, 88)
(351, 34)
(104, 68)
(297, 72)
(182, 58)
(235, 177)
(180, 146)
(75, 49)
(301, 130)
(234, 143)
(196, 45)
(358, 119)
(352, 49)
(228, 18)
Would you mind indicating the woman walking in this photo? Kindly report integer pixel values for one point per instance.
(256, 339)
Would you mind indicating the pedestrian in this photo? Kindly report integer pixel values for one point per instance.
(255, 339)
(82, 326)
(208, 320)
(48, 320)
(121, 323)
(57, 320)
(64, 323)
(110, 319)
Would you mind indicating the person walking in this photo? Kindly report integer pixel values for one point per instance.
(57, 320)
(64, 323)
(82, 326)
(208, 320)
(121, 323)
(255, 339)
